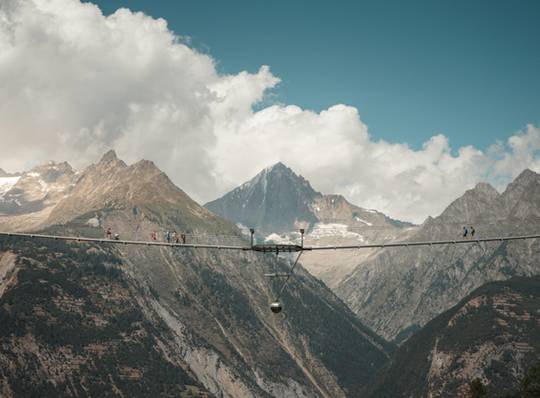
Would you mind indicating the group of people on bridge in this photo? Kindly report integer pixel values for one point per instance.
(174, 237)
(110, 234)
(170, 236)
(468, 232)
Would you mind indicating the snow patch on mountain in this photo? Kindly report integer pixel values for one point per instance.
(93, 222)
(279, 239)
(321, 230)
(6, 183)
(362, 221)
(243, 229)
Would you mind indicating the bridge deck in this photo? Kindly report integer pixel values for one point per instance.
(268, 248)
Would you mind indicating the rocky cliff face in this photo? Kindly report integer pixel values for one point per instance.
(491, 335)
(202, 311)
(277, 202)
(399, 290)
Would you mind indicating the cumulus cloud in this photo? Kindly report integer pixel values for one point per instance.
(75, 83)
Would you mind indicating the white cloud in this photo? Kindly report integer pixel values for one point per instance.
(75, 83)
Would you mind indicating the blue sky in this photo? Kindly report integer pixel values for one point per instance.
(413, 69)
(420, 75)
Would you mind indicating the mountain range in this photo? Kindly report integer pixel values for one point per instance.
(396, 291)
(85, 319)
(146, 321)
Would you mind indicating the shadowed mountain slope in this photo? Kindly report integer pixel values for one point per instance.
(74, 324)
(399, 290)
(491, 335)
(275, 200)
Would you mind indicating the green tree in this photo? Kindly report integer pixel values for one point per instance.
(530, 385)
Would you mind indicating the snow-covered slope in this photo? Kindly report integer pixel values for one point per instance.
(6, 183)
(27, 199)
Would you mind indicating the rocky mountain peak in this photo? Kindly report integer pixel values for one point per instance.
(278, 166)
(276, 199)
(277, 202)
(280, 171)
(470, 205)
(113, 185)
(523, 189)
(521, 183)
(4, 173)
(109, 156)
(381, 289)
(28, 197)
(109, 164)
(526, 177)
(146, 166)
(485, 190)
(51, 171)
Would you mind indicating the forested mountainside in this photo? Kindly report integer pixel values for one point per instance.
(491, 337)
(74, 324)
